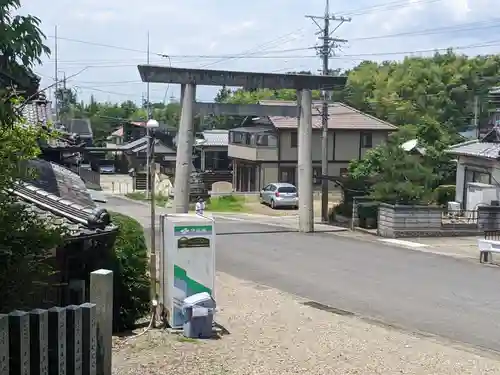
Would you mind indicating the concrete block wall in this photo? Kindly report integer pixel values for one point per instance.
(408, 221)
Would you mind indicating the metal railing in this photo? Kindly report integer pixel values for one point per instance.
(459, 217)
(492, 235)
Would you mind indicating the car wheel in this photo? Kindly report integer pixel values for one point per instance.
(273, 206)
(295, 207)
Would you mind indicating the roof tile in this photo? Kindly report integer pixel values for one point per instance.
(341, 116)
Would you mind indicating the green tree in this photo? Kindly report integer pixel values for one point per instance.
(25, 238)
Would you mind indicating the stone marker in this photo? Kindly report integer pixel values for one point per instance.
(101, 294)
(73, 340)
(4, 344)
(39, 335)
(89, 339)
(19, 340)
(57, 341)
(221, 188)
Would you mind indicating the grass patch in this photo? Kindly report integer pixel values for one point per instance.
(160, 200)
(229, 203)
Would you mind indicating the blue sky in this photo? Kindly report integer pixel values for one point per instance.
(189, 29)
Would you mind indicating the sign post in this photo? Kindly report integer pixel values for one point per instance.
(188, 261)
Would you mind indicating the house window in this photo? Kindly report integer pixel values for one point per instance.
(477, 176)
(366, 140)
(293, 140)
(237, 137)
(266, 140)
(316, 173)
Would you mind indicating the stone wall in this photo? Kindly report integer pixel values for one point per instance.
(409, 221)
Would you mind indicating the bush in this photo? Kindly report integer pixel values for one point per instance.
(131, 280)
(444, 194)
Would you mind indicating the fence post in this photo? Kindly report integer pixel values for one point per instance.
(73, 340)
(89, 340)
(57, 341)
(19, 342)
(101, 293)
(4, 344)
(39, 332)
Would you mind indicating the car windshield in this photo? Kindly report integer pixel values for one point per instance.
(287, 189)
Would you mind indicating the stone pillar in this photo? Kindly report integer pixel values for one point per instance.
(306, 209)
(39, 335)
(89, 339)
(19, 339)
(101, 294)
(185, 142)
(4, 344)
(57, 341)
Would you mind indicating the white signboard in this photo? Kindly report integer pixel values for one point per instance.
(187, 264)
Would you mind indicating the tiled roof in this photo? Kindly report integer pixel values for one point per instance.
(139, 145)
(60, 195)
(488, 147)
(341, 117)
(214, 137)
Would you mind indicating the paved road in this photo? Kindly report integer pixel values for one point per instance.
(419, 291)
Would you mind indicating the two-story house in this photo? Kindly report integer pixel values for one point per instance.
(266, 150)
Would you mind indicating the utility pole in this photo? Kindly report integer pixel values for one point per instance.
(55, 76)
(148, 109)
(325, 51)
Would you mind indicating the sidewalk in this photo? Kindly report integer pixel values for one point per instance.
(272, 332)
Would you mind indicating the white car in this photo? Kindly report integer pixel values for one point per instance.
(280, 194)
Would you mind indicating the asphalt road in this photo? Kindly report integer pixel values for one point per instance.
(418, 291)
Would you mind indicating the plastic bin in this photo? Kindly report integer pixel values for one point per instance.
(198, 311)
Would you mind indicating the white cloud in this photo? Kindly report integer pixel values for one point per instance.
(231, 27)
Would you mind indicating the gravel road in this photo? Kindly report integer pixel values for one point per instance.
(272, 332)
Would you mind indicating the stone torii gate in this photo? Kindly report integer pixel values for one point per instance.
(190, 78)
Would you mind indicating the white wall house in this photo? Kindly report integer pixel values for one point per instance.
(477, 161)
(267, 150)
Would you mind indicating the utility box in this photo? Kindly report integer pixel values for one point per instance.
(198, 311)
(187, 262)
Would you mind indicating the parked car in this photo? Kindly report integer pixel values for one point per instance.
(280, 194)
(107, 169)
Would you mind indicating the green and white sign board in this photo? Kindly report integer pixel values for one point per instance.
(187, 262)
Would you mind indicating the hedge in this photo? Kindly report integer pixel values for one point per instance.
(131, 297)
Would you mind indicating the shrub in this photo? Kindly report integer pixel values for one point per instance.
(130, 266)
(444, 194)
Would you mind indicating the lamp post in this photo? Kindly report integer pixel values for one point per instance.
(151, 125)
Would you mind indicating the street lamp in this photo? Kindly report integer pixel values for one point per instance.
(151, 125)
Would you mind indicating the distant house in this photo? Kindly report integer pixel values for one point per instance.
(211, 145)
(135, 152)
(477, 161)
(266, 150)
(80, 127)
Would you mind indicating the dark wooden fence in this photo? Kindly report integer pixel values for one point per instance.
(55, 341)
